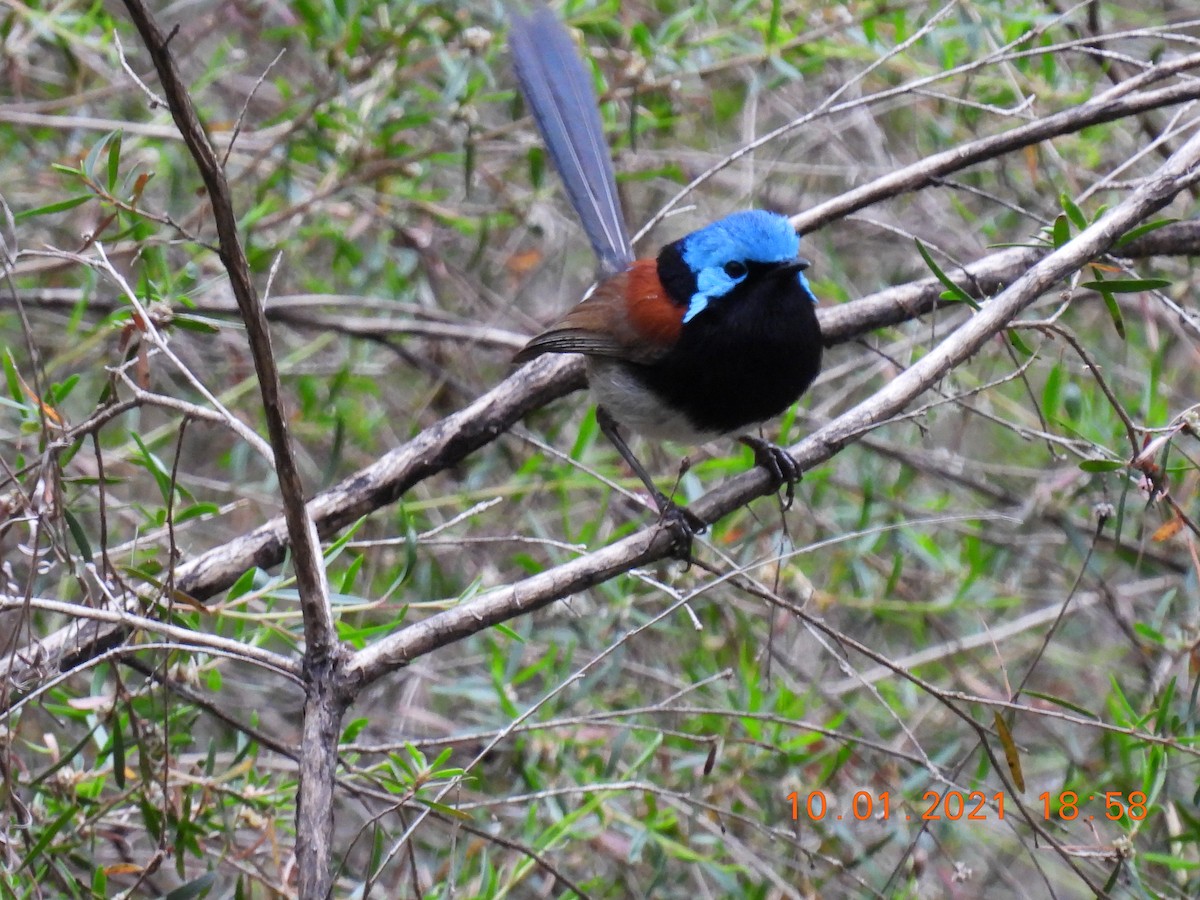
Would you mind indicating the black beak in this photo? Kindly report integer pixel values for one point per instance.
(799, 264)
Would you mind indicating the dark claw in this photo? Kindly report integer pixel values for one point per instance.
(669, 510)
(780, 464)
(683, 523)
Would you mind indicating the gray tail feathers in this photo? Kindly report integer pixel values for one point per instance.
(559, 93)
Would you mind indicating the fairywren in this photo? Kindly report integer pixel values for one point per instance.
(714, 336)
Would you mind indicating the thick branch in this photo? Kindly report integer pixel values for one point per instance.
(310, 572)
(846, 322)
(1115, 103)
(322, 653)
(1179, 172)
(547, 379)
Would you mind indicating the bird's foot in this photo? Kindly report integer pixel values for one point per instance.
(681, 522)
(780, 465)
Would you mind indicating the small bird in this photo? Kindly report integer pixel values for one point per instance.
(712, 337)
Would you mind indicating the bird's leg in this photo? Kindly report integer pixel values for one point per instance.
(668, 509)
(780, 464)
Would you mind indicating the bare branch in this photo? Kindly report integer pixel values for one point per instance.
(326, 702)
(1181, 170)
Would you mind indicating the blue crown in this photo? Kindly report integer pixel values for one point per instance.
(752, 236)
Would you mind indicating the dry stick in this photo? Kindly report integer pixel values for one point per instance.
(1178, 173)
(309, 570)
(437, 447)
(911, 178)
(497, 411)
(929, 170)
(327, 697)
(549, 378)
(325, 700)
(891, 306)
(245, 652)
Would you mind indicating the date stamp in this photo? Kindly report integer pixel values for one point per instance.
(973, 806)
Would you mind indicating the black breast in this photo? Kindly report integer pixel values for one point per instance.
(746, 358)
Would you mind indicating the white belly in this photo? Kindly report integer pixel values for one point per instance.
(637, 408)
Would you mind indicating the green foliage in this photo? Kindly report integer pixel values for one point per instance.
(643, 737)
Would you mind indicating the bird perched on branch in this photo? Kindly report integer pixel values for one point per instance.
(712, 337)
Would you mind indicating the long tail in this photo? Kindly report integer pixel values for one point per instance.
(560, 96)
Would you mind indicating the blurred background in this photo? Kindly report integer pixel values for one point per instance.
(397, 206)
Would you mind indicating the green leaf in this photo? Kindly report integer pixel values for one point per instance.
(351, 573)
(14, 380)
(1052, 392)
(114, 161)
(192, 323)
(1074, 212)
(1018, 342)
(59, 392)
(193, 888)
(1065, 704)
(1101, 465)
(1127, 285)
(80, 536)
(1105, 289)
(93, 157)
(353, 730)
(47, 835)
(195, 511)
(508, 632)
(1164, 706)
(57, 206)
(244, 584)
(1151, 634)
(1061, 232)
(547, 659)
(954, 291)
(152, 464)
(1114, 312)
(772, 35)
(1165, 859)
(1134, 233)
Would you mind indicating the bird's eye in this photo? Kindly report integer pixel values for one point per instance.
(735, 269)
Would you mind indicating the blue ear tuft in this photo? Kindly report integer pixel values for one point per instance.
(753, 235)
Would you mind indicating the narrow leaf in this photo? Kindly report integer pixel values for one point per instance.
(58, 206)
(195, 888)
(1101, 465)
(1114, 312)
(1018, 342)
(48, 834)
(1134, 233)
(1052, 392)
(93, 157)
(80, 536)
(955, 292)
(1127, 285)
(1011, 755)
(114, 161)
(1061, 232)
(1076, 214)
(1065, 704)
